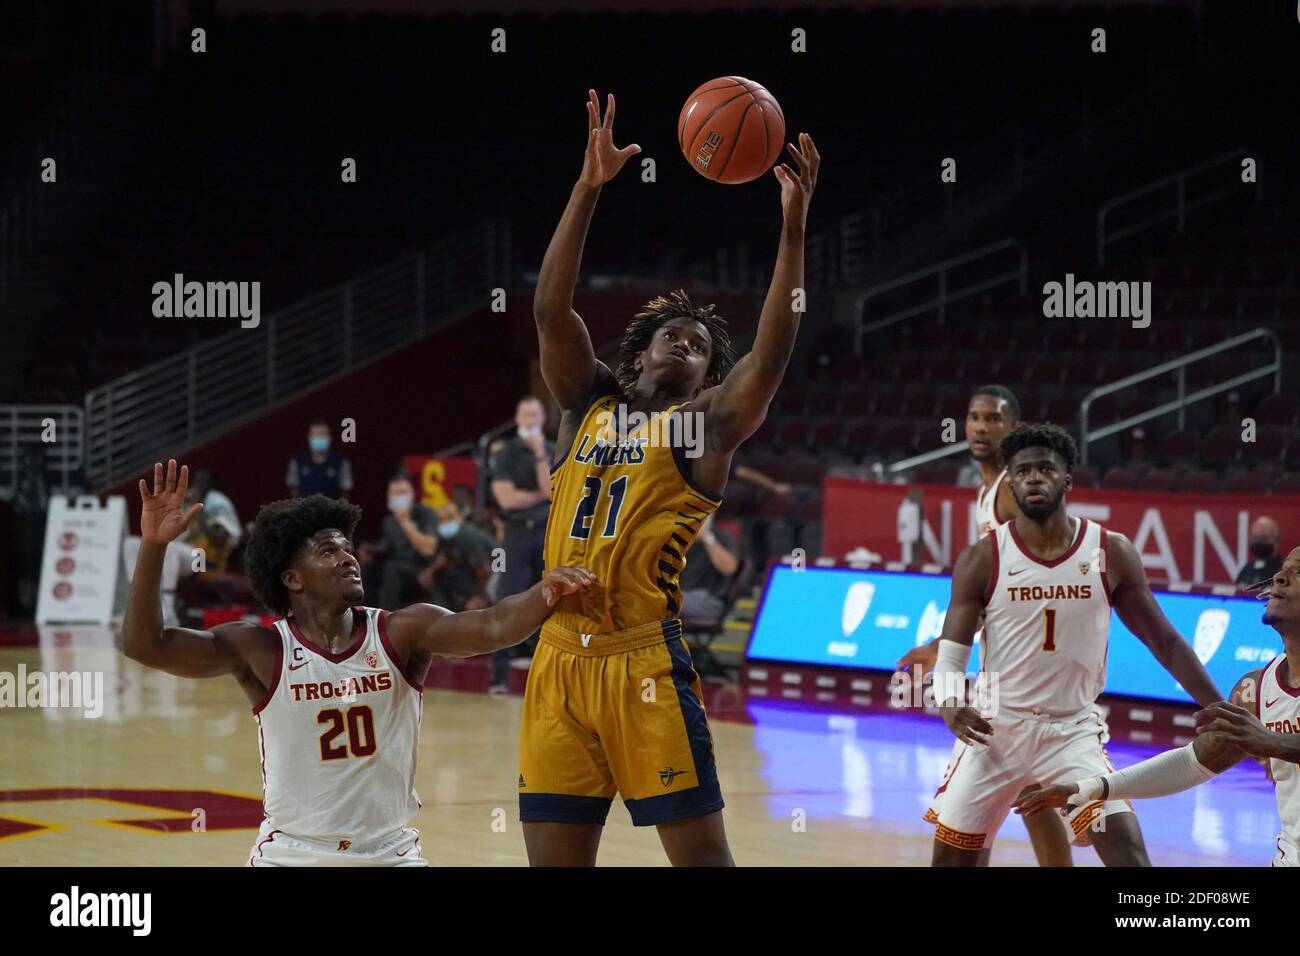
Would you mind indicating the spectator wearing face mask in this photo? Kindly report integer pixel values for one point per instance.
(393, 566)
(319, 471)
(458, 575)
(521, 484)
(1264, 561)
(470, 513)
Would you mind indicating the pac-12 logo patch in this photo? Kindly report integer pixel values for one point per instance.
(372, 658)
(1084, 566)
(1211, 627)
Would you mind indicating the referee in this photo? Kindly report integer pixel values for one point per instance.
(521, 484)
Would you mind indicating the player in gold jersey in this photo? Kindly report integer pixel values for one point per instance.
(613, 703)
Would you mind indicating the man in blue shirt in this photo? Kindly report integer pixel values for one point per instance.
(319, 471)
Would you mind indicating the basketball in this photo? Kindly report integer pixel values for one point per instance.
(731, 130)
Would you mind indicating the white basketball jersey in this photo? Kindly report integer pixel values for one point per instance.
(986, 518)
(1279, 711)
(1047, 623)
(338, 735)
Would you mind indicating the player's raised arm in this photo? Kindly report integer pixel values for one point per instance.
(176, 650)
(970, 582)
(737, 408)
(1137, 608)
(435, 630)
(569, 363)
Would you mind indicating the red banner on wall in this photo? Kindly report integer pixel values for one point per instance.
(1192, 538)
(435, 477)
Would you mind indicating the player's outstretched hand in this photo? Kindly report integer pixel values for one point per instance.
(797, 184)
(1239, 725)
(923, 657)
(561, 581)
(163, 515)
(603, 159)
(967, 724)
(1039, 799)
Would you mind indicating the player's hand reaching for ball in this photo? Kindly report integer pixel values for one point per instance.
(561, 581)
(967, 724)
(797, 184)
(1040, 799)
(603, 159)
(163, 515)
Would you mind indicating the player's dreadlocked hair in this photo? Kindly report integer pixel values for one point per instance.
(280, 529)
(658, 311)
(1041, 435)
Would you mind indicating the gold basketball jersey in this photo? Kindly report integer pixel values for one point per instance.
(626, 509)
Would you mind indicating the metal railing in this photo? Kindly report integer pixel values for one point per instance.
(55, 430)
(1179, 404)
(1181, 204)
(944, 293)
(195, 395)
(903, 222)
(926, 457)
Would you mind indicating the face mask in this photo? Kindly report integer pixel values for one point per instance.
(1261, 549)
(528, 432)
(399, 502)
(319, 443)
(448, 529)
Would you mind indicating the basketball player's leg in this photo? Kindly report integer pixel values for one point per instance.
(1073, 751)
(981, 785)
(1117, 839)
(936, 802)
(562, 844)
(565, 783)
(700, 841)
(661, 751)
(1048, 836)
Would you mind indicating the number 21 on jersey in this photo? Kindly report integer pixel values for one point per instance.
(589, 505)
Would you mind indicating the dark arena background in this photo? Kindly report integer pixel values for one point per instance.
(1094, 207)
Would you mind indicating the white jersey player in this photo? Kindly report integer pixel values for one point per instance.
(335, 686)
(991, 413)
(1261, 721)
(1045, 584)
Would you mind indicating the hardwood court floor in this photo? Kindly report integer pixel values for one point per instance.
(121, 790)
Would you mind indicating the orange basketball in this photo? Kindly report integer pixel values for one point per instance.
(731, 130)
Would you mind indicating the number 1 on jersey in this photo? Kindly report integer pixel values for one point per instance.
(1049, 629)
(586, 513)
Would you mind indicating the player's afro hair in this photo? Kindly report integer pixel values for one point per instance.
(656, 312)
(1041, 435)
(280, 530)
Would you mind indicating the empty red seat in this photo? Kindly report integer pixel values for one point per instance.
(1179, 445)
(1279, 409)
(1221, 446)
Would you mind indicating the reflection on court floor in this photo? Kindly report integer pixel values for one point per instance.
(168, 774)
